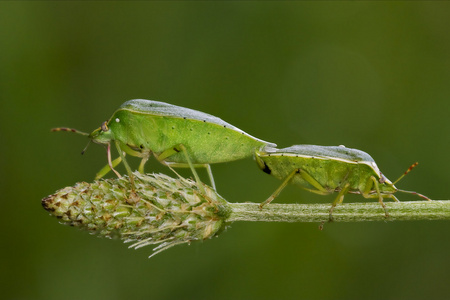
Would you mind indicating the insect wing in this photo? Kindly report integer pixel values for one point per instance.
(169, 110)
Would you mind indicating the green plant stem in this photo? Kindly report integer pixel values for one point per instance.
(346, 212)
(162, 211)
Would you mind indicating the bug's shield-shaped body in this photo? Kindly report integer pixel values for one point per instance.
(146, 126)
(331, 166)
(325, 170)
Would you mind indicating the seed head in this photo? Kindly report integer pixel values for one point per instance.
(161, 210)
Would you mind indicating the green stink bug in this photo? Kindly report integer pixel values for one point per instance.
(177, 136)
(328, 169)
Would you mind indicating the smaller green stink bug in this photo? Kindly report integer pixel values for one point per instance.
(328, 169)
(176, 136)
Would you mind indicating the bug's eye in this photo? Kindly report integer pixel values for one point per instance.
(382, 178)
(104, 126)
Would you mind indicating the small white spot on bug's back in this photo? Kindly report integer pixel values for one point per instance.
(117, 120)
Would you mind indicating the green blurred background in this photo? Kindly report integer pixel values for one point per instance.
(369, 75)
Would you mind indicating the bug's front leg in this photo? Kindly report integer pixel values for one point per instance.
(105, 170)
(110, 163)
(372, 182)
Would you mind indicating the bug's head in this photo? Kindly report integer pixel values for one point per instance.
(101, 135)
(386, 185)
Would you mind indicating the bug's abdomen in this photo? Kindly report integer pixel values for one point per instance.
(206, 143)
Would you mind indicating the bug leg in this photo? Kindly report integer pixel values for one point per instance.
(373, 182)
(110, 162)
(308, 178)
(320, 189)
(141, 165)
(339, 199)
(393, 198)
(127, 166)
(280, 188)
(176, 173)
(380, 198)
(181, 148)
(322, 192)
(197, 179)
(211, 178)
(105, 170)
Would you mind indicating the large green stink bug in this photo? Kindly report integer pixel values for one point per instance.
(177, 136)
(327, 169)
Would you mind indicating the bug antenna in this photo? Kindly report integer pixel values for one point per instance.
(84, 150)
(407, 171)
(415, 193)
(70, 130)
